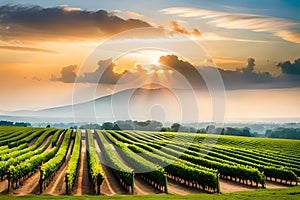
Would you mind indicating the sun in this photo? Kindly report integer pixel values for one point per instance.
(155, 62)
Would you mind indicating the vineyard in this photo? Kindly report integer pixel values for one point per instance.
(96, 162)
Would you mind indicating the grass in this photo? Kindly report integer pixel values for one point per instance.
(264, 194)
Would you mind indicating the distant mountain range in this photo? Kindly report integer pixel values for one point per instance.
(140, 104)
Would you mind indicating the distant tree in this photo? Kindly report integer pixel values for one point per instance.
(210, 129)
(201, 130)
(90, 126)
(107, 126)
(116, 127)
(165, 129)
(175, 127)
(6, 123)
(48, 126)
(286, 133)
(23, 124)
(246, 132)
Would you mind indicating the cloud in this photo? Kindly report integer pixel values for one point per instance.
(68, 74)
(134, 14)
(289, 35)
(258, 23)
(290, 68)
(205, 36)
(128, 13)
(35, 23)
(183, 68)
(103, 74)
(28, 49)
(250, 66)
(173, 69)
(176, 27)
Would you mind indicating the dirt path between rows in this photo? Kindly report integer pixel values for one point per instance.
(31, 186)
(3, 187)
(273, 185)
(177, 188)
(229, 186)
(58, 186)
(83, 185)
(45, 142)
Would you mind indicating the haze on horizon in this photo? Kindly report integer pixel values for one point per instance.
(45, 50)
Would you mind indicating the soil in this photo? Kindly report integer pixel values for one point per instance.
(3, 186)
(228, 187)
(83, 185)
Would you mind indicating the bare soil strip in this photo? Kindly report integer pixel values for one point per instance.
(45, 142)
(228, 187)
(273, 185)
(83, 185)
(31, 186)
(58, 185)
(3, 186)
(177, 188)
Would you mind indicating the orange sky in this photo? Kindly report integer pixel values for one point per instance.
(32, 54)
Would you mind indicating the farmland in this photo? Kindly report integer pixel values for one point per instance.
(96, 162)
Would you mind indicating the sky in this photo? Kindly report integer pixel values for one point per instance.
(49, 47)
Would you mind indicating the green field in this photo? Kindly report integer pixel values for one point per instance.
(268, 194)
(139, 164)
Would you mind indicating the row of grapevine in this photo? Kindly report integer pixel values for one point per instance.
(150, 147)
(182, 172)
(124, 174)
(150, 172)
(56, 137)
(226, 170)
(17, 157)
(271, 171)
(6, 131)
(261, 156)
(71, 172)
(96, 172)
(27, 139)
(37, 143)
(15, 131)
(49, 168)
(19, 135)
(7, 151)
(26, 168)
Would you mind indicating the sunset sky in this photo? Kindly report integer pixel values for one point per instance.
(255, 44)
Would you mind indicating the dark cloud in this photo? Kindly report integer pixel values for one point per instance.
(184, 68)
(68, 74)
(35, 23)
(28, 49)
(245, 78)
(250, 66)
(290, 68)
(103, 74)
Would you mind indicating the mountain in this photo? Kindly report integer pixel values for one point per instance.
(138, 104)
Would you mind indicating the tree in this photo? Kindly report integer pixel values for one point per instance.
(107, 126)
(210, 129)
(175, 127)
